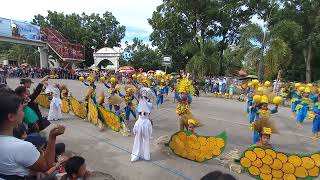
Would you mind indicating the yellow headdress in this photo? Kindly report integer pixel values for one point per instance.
(265, 126)
(101, 98)
(115, 100)
(192, 121)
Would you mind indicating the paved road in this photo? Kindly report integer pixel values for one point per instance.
(109, 151)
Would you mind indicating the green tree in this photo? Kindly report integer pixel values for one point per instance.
(92, 31)
(140, 55)
(303, 19)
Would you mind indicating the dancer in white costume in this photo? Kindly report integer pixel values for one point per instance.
(142, 131)
(55, 104)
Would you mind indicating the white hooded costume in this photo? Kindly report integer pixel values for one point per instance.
(142, 130)
(55, 104)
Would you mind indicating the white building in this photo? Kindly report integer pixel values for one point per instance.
(104, 54)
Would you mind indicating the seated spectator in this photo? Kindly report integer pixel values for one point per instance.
(18, 157)
(217, 175)
(20, 132)
(75, 168)
(60, 150)
(30, 117)
(38, 141)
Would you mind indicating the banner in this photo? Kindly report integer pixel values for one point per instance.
(25, 30)
(5, 27)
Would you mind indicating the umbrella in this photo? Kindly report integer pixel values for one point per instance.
(249, 77)
(126, 68)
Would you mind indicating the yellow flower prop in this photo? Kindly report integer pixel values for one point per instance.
(183, 109)
(110, 119)
(263, 163)
(197, 148)
(65, 105)
(43, 100)
(185, 86)
(93, 112)
(311, 116)
(79, 109)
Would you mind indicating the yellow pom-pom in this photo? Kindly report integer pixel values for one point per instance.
(117, 88)
(81, 79)
(296, 85)
(102, 79)
(255, 82)
(264, 99)
(134, 76)
(260, 89)
(301, 89)
(307, 90)
(267, 84)
(277, 100)
(113, 80)
(309, 85)
(250, 84)
(256, 99)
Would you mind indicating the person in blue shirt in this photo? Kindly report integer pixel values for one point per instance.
(316, 120)
(249, 101)
(160, 92)
(295, 99)
(262, 111)
(303, 107)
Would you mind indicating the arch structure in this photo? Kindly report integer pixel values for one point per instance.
(107, 54)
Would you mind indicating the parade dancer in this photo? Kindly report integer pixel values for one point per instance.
(303, 107)
(296, 98)
(114, 89)
(129, 108)
(55, 104)
(142, 130)
(316, 120)
(91, 87)
(263, 112)
(160, 93)
(265, 127)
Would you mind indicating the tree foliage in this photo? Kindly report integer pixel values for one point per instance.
(140, 55)
(92, 31)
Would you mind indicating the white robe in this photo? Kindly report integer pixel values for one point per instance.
(55, 104)
(142, 130)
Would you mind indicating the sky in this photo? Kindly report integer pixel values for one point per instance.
(131, 13)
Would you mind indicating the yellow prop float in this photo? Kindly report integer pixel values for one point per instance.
(196, 147)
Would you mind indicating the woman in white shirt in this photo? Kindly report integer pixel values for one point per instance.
(18, 157)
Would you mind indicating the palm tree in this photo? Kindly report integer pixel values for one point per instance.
(273, 49)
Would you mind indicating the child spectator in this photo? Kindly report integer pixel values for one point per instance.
(20, 132)
(75, 168)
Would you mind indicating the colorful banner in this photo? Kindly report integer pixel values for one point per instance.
(5, 27)
(25, 30)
